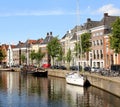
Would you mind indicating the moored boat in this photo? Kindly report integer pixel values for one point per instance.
(6, 69)
(39, 72)
(75, 79)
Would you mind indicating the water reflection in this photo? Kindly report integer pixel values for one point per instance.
(28, 91)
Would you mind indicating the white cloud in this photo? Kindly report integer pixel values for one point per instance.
(33, 13)
(110, 9)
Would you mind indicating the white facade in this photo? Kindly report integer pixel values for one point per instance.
(9, 56)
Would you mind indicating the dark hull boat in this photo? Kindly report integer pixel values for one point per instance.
(39, 72)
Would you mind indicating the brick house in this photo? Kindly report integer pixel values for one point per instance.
(100, 55)
(22, 48)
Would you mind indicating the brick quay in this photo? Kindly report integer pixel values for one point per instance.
(109, 84)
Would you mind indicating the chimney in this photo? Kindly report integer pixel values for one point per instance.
(88, 20)
(50, 33)
(105, 14)
(19, 42)
(47, 34)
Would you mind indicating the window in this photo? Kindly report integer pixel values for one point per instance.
(101, 42)
(94, 43)
(101, 33)
(93, 34)
(97, 34)
(97, 42)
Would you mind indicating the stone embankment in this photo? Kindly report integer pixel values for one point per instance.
(109, 84)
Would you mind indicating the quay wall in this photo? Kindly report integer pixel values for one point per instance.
(109, 84)
(57, 73)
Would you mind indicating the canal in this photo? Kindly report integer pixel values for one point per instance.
(18, 90)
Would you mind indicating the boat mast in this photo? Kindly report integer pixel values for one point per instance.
(78, 36)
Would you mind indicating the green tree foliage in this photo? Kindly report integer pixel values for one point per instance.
(77, 48)
(115, 36)
(38, 56)
(32, 55)
(53, 48)
(85, 42)
(2, 55)
(60, 55)
(69, 57)
(23, 58)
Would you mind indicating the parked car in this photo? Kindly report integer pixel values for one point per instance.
(93, 69)
(54, 67)
(62, 67)
(75, 68)
(46, 65)
(99, 70)
(87, 69)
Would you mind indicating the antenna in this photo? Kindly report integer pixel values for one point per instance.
(78, 13)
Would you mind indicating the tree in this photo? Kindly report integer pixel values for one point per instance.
(32, 55)
(53, 48)
(2, 55)
(85, 41)
(115, 36)
(38, 56)
(86, 44)
(77, 48)
(23, 58)
(69, 57)
(60, 55)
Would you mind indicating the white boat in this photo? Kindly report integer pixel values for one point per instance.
(75, 79)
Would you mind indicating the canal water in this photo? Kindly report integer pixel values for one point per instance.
(18, 90)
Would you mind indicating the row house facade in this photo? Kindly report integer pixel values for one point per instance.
(13, 54)
(100, 55)
(22, 49)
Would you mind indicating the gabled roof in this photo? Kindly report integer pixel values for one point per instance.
(28, 43)
(90, 24)
(31, 41)
(13, 46)
(74, 37)
(19, 45)
(107, 20)
(64, 36)
(39, 41)
(47, 39)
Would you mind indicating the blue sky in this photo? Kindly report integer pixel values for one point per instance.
(32, 19)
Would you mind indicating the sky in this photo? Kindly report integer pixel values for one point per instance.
(21, 20)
